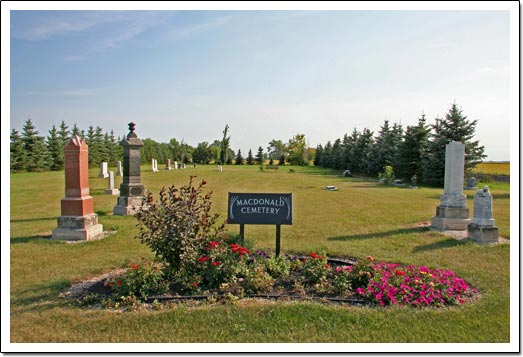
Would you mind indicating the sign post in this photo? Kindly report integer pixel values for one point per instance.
(260, 208)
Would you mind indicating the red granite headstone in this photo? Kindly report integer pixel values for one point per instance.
(78, 220)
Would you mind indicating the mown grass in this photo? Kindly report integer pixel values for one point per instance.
(361, 218)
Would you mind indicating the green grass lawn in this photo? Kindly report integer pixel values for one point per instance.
(361, 218)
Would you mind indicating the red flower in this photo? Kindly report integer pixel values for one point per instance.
(118, 282)
(214, 244)
(400, 272)
(326, 265)
(110, 285)
(135, 266)
(216, 263)
(195, 284)
(313, 255)
(203, 259)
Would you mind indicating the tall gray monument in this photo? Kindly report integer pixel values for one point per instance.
(452, 213)
(482, 228)
(131, 189)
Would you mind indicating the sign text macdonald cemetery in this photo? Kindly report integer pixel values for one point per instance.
(260, 208)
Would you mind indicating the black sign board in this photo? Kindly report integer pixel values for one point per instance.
(260, 208)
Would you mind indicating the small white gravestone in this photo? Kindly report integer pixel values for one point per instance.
(111, 190)
(482, 228)
(176, 165)
(119, 169)
(103, 170)
(220, 168)
(183, 165)
(154, 165)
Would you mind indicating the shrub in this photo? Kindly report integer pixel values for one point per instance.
(387, 175)
(178, 227)
(139, 280)
(315, 269)
(277, 267)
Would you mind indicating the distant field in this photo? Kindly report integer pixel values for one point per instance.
(493, 168)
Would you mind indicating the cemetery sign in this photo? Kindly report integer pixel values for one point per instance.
(260, 208)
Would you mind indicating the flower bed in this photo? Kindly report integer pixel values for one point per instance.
(229, 272)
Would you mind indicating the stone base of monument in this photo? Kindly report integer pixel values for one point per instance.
(479, 233)
(451, 218)
(112, 191)
(127, 206)
(73, 228)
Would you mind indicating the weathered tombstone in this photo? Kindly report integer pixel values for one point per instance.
(347, 173)
(103, 170)
(78, 220)
(176, 165)
(119, 169)
(111, 190)
(482, 228)
(452, 213)
(220, 168)
(471, 184)
(168, 165)
(154, 165)
(183, 165)
(397, 182)
(131, 189)
(414, 182)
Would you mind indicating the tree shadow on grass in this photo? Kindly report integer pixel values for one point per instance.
(447, 243)
(40, 297)
(33, 219)
(380, 234)
(39, 237)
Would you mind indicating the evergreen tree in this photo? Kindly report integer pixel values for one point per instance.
(454, 127)
(319, 156)
(385, 148)
(412, 149)
(55, 150)
(250, 158)
(362, 151)
(34, 148)
(17, 152)
(281, 161)
(76, 131)
(224, 146)
(239, 158)
(349, 143)
(259, 156)
(337, 155)
(103, 150)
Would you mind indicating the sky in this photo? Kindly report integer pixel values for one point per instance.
(268, 74)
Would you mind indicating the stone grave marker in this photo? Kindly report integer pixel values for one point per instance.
(78, 220)
(482, 228)
(111, 190)
(168, 165)
(131, 189)
(471, 184)
(452, 213)
(119, 169)
(103, 170)
(176, 165)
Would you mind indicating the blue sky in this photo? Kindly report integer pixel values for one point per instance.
(268, 74)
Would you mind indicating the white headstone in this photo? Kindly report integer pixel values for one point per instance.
(111, 190)
(454, 173)
(176, 165)
(103, 170)
(483, 208)
(220, 168)
(119, 169)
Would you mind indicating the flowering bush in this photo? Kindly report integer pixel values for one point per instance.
(417, 286)
(315, 269)
(178, 227)
(139, 280)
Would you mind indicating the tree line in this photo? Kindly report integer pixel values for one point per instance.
(418, 150)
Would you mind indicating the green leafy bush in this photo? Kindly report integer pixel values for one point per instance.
(315, 269)
(387, 175)
(178, 227)
(140, 280)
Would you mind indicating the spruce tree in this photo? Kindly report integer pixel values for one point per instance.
(318, 160)
(34, 148)
(281, 161)
(454, 127)
(17, 152)
(239, 158)
(412, 149)
(259, 156)
(250, 158)
(224, 146)
(55, 150)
